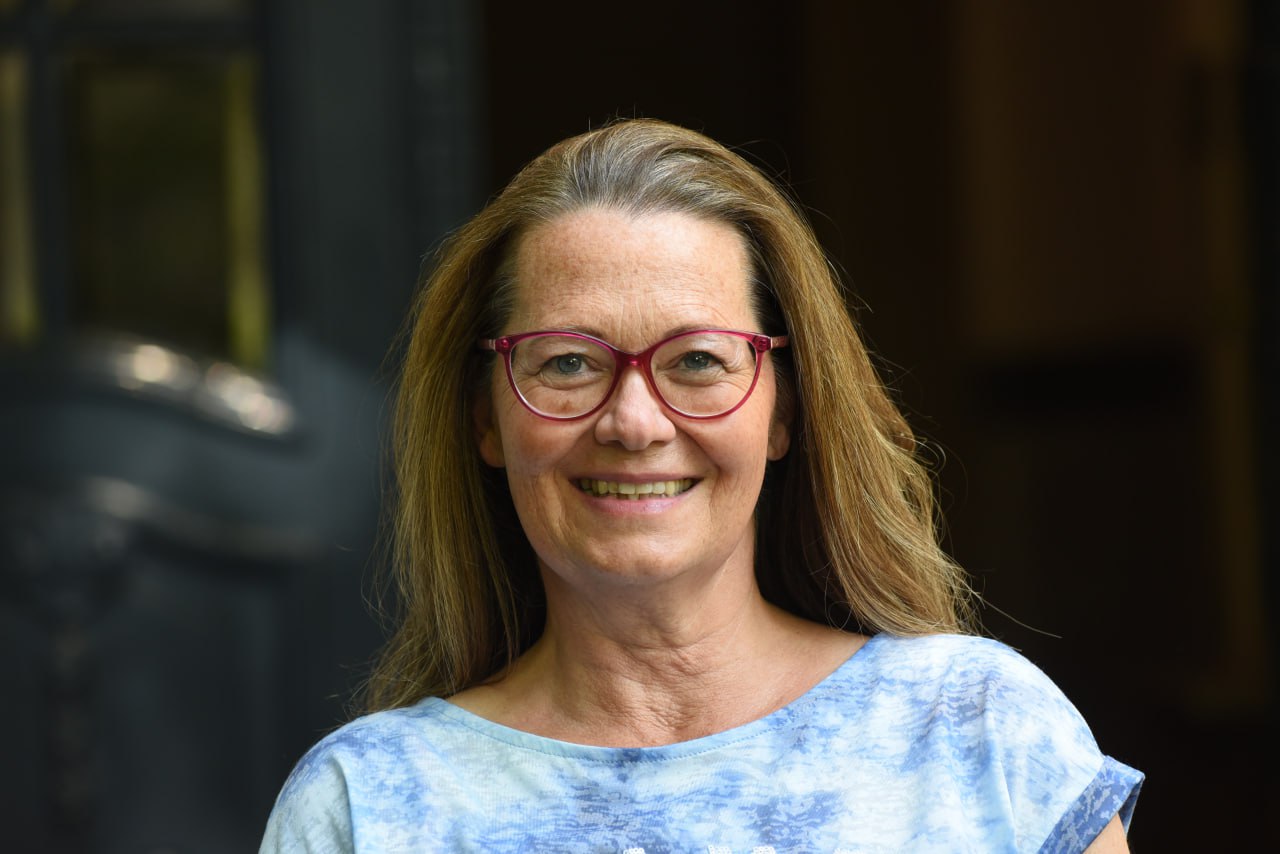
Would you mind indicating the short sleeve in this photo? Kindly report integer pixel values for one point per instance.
(313, 812)
(1062, 791)
(1114, 791)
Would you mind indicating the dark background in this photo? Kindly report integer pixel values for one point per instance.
(1059, 222)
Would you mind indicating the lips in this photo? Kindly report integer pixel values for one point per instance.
(634, 491)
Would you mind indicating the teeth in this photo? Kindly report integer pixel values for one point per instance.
(634, 491)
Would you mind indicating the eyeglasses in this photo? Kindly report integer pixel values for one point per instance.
(707, 373)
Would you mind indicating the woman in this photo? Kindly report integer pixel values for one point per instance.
(667, 559)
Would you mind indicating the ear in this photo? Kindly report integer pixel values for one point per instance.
(488, 439)
(779, 439)
(784, 412)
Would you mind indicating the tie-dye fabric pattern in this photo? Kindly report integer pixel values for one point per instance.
(942, 743)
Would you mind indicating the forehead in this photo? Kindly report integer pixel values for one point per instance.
(612, 273)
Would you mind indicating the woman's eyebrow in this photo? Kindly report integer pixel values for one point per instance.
(596, 332)
(577, 328)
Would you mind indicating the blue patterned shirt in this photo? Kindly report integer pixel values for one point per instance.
(941, 743)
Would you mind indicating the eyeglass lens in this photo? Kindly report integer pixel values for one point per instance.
(703, 373)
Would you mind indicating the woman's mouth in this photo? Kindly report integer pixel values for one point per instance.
(635, 491)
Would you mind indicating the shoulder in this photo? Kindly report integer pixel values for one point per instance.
(365, 743)
(322, 804)
(1001, 726)
(950, 653)
(985, 694)
(963, 667)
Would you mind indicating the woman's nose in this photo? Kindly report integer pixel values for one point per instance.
(634, 417)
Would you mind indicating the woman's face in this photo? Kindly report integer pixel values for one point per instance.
(633, 281)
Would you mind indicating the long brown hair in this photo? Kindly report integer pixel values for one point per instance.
(846, 530)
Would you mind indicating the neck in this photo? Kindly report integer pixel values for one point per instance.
(658, 675)
(641, 668)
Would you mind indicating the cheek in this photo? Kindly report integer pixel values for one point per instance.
(509, 435)
(530, 448)
(537, 486)
(741, 452)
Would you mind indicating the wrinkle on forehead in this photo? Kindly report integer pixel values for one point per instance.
(643, 277)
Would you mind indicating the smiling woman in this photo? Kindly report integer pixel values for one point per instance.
(666, 558)
(638, 280)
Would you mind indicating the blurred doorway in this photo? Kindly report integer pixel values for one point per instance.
(211, 217)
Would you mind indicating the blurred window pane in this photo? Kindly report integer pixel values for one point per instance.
(166, 197)
(19, 316)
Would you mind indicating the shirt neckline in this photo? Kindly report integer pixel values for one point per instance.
(775, 720)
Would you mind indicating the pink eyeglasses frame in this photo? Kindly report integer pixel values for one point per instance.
(623, 359)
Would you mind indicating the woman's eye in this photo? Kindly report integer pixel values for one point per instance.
(570, 363)
(698, 361)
